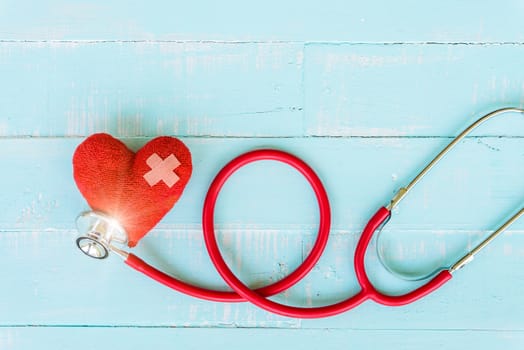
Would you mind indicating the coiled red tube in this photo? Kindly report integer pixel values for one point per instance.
(259, 296)
(277, 287)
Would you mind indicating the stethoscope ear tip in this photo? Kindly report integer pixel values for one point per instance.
(97, 233)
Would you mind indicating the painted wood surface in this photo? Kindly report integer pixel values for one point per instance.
(90, 338)
(257, 89)
(365, 92)
(235, 20)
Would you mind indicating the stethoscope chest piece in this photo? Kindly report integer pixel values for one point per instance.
(97, 233)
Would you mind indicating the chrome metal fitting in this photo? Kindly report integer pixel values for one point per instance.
(97, 234)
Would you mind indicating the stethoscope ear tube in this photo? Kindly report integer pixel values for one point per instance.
(403, 191)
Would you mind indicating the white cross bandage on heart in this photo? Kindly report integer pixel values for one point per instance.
(162, 170)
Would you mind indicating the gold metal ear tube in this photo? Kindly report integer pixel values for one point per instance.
(466, 259)
(402, 192)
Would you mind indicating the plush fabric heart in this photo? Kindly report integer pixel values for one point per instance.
(136, 189)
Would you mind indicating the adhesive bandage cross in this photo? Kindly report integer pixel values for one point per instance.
(162, 170)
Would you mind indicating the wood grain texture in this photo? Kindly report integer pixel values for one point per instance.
(417, 90)
(365, 92)
(360, 174)
(144, 89)
(245, 89)
(332, 20)
(29, 338)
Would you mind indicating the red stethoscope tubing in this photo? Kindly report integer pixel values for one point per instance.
(376, 221)
(259, 296)
(279, 286)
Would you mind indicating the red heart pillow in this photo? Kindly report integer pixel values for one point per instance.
(136, 189)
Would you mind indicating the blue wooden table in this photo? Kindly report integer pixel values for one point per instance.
(366, 92)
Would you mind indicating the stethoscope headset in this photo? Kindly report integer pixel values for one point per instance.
(101, 234)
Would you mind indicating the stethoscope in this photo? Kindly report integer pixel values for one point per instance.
(99, 235)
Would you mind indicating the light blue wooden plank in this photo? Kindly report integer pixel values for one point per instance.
(476, 187)
(54, 284)
(102, 292)
(130, 89)
(334, 20)
(91, 338)
(411, 90)
(200, 89)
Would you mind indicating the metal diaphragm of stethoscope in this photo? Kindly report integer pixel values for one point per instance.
(100, 234)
